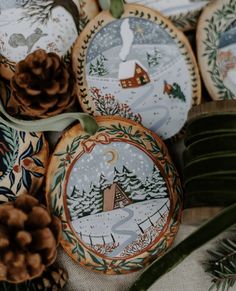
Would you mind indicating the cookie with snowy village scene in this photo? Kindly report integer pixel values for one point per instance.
(117, 194)
(183, 13)
(139, 67)
(216, 48)
(23, 161)
(26, 25)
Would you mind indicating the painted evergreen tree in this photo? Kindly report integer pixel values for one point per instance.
(129, 182)
(155, 186)
(97, 195)
(98, 68)
(174, 91)
(75, 204)
(86, 203)
(153, 58)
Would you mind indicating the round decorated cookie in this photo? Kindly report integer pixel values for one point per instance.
(23, 162)
(216, 45)
(117, 194)
(31, 24)
(183, 13)
(139, 67)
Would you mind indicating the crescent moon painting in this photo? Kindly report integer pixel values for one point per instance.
(112, 155)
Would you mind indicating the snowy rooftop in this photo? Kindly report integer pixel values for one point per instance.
(127, 69)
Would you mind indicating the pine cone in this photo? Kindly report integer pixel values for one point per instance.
(28, 239)
(52, 279)
(41, 86)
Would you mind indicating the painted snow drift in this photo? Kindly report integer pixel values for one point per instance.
(122, 206)
(133, 84)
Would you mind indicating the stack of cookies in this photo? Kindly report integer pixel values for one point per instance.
(210, 155)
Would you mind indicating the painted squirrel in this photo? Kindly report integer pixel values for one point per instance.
(18, 39)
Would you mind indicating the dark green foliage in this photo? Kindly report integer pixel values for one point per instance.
(154, 58)
(222, 264)
(98, 69)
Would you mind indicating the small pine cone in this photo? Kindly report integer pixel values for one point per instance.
(29, 237)
(52, 279)
(41, 86)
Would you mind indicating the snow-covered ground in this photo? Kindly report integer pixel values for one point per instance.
(160, 113)
(121, 223)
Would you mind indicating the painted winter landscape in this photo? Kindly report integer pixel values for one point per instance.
(226, 58)
(28, 25)
(117, 199)
(135, 69)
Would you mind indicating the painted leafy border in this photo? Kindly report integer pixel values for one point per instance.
(19, 163)
(85, 98)
(71, 244)
(11, 137)
(215, 26)
(186, 21)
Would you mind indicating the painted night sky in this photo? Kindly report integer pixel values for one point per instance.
(90, 166)
(145, 32)
(229, 36)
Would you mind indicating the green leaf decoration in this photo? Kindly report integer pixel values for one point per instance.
(171, 259)
(11, 137)
(117, 8)
(185, 21)
(214, 27)
(222, 264)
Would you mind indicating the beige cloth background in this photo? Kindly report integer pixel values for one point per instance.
(188, 276)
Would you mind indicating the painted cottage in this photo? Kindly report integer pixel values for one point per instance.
(114, 198)
(133, 74)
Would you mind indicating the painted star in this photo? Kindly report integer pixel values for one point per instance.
(139, 30)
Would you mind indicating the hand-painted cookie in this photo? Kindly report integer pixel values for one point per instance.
(216, 45)
(183, 13)
(31, 24)
(139, 67)
(23, 162)
(117, 194)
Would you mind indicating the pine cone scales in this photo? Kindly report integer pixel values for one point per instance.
(52, 279)
(28, 239)
(42, 85)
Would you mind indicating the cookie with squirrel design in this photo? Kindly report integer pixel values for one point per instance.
(51, 25)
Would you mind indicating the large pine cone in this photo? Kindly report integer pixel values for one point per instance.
(41, 86)
(28, 239)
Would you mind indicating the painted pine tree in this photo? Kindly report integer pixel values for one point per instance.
(97, 194)
(155, 186)
(129, 182)
(153, 58)
(174, 91)
(74, 203)
(98, 68)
